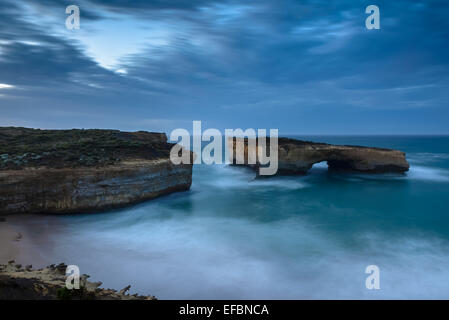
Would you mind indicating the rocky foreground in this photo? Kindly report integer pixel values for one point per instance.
(297, 157)
(62, 171)
(19, 282)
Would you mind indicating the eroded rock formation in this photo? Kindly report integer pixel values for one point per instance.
(60, 171)
(297, 157)
(19, 282)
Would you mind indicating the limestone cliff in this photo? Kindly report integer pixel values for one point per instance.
(61, 171)
(297, 157)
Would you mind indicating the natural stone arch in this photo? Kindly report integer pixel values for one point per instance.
(298, 157)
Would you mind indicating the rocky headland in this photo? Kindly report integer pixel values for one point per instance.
(63, 171)
(19, 282)
(296, 157)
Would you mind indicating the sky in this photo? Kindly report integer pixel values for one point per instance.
(303, 66)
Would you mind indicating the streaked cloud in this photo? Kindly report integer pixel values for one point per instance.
(301, 66)
(5, 86)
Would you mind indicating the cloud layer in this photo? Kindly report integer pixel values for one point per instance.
(300, 66)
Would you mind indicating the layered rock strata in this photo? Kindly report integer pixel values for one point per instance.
(297, 157)
(62, 171)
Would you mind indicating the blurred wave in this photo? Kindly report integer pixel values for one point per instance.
(234, 237)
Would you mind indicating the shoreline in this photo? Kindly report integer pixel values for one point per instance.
(9, 240)
(18, 279)
(49, 283)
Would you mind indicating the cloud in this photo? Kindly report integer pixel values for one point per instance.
(272, 62)
(5, 86)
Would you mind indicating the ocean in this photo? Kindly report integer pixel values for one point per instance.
(234, 237)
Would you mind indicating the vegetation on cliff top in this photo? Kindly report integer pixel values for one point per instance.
(24, 147)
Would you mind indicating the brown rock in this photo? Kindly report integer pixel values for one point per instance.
(297, 157)
(63, 171)
(49, 284)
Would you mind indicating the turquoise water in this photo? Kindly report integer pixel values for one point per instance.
(281, 238)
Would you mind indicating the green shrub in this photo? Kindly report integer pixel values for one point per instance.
(75, 294)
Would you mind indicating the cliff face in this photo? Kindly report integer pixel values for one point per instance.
(297, 157)
(84, 170)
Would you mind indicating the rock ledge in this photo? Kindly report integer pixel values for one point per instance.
(297, 157)
(26, 283)
(64, 171)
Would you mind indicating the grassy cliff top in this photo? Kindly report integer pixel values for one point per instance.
(24, 147)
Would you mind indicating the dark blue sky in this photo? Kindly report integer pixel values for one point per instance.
(305, 67)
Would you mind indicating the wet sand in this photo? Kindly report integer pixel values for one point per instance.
(9, 241)
(15, 242)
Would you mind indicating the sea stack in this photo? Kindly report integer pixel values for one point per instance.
(296, 157)
(63, 171)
